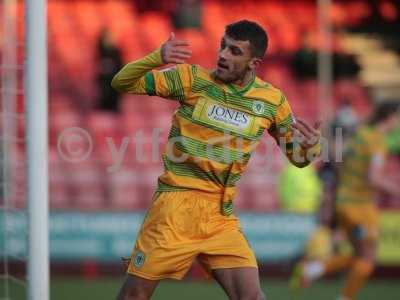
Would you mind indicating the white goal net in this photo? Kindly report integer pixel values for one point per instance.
(12, 151)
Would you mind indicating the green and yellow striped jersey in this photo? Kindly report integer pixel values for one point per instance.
(215, 129)
(216, 126)
(354, 186)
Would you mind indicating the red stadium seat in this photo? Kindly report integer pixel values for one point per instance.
(105, 131)
(103, 124)
(87, 184)
(148, 180)
(306, 15)
(59, 195)
(155, 29)
(338, 15)
(357, 12)
(18, 180)
(62, 122)
(308, 95)
(123, 190)
(213, 23)
(87, 19)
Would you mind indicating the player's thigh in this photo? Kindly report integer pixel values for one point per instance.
(360, 222)
(137, 288)
(365, 248)
(240, 283)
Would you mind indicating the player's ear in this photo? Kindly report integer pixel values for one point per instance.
(255, 63)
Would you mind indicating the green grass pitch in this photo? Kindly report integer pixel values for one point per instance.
(106, 289)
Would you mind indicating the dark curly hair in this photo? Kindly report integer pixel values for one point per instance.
(245, 30)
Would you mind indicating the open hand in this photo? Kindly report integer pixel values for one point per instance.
(305, 134)
(175, 51)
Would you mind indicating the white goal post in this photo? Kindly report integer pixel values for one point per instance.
(36, 91)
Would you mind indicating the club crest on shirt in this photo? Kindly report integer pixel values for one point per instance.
(258, 107)
(138, 259)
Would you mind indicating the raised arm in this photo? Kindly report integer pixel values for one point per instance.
(136, 78)
(132, 77)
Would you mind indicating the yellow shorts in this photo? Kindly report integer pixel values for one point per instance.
(182, 226)
(359, 221)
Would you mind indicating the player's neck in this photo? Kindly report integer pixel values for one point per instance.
(247, 78)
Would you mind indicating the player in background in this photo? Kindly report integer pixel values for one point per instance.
(221, 118)
(327, 238)
(360, 176)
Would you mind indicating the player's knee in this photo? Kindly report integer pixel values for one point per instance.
(133, 294)
(363, 268)
(261, 295)
(364, 235)
(131, 290)
(252, 295)
(366, 251)
(367, 257)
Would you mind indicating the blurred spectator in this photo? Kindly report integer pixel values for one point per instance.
(346, 118)
(304, 61)
(110, 62)
(187, 14)
(328, 175)
(345, 65)
(165, 6)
